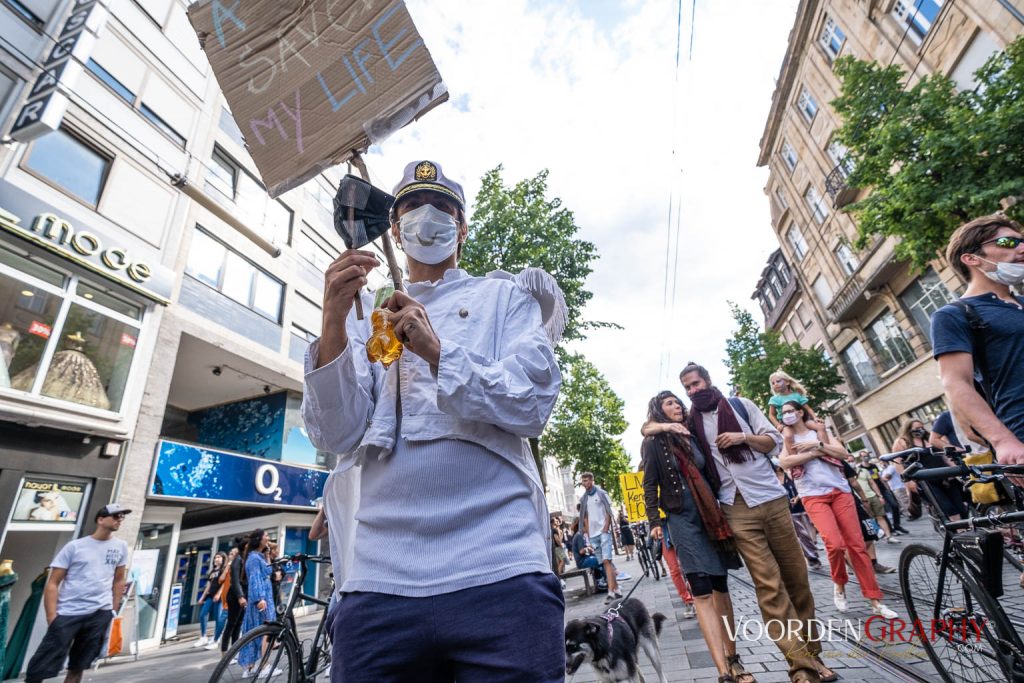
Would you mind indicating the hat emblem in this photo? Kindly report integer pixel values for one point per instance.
(426, 171)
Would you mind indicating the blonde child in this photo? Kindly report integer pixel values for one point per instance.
(784, 389)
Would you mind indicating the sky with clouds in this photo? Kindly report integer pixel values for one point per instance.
(589, 90)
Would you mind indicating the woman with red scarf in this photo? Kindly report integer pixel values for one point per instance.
(817, 471)
(676, 481)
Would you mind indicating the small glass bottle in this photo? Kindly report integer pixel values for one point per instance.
(382, 345)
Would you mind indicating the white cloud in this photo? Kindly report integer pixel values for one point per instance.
(588, 90)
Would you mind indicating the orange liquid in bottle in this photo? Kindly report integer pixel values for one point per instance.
(382, 345)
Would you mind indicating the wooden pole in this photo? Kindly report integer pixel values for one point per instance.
(385, 239)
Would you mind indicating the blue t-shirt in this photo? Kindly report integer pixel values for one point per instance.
(943, 426)
(779, 400)
(1004, 349)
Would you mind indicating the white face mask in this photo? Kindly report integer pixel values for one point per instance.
(429, 235)
(1009, 274)
(790, 418)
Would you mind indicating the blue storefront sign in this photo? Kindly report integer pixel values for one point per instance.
(189, 472)
(173, 612)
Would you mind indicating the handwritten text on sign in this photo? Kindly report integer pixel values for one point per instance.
(309, 82)
(633, 493)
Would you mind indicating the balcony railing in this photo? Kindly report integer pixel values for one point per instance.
(837, 187)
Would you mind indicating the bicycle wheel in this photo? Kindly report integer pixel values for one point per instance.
(982, 645)
(270, 654)
(643, 559)
(319, 662)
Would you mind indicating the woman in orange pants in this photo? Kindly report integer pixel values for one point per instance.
(677, 575)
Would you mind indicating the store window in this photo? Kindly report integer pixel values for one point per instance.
(64, 337)
(70, 164)
(859, 368)
(923, 297)
(212, 263)
(889, 342)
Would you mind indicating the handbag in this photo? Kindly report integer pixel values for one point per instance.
(868, 526)
(982, 494)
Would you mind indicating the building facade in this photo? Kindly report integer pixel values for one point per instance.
(788, 311)
(152, 353)
(873, 311)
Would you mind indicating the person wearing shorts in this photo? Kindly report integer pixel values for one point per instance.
(82, 596)
(596, 518)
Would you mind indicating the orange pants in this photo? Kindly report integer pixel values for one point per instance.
(836, 519)
(675, 572)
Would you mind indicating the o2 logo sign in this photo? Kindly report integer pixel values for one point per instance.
(268, 480)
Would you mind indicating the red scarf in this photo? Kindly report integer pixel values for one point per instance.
(706, 401)
(715, 524)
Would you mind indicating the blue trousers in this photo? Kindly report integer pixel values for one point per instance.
(506, 632)
(210, 605)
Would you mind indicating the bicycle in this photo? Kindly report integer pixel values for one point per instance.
(282, 654)
(952, 596)
(643, 552)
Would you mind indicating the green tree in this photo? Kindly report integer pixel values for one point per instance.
(932, 157)
(753, 355)
(516, 227)
(520, 226)
(583, 432)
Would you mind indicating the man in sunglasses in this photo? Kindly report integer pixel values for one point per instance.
(981, 335)
(82, 596)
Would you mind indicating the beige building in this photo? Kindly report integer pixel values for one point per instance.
(873, 311)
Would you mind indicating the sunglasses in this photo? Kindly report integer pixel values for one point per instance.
(1005, 242)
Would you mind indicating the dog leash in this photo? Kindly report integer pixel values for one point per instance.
(612, 612)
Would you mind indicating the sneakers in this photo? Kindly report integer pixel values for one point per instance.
(883, 611)
(814, 564)
(891, 539)
(689, 611)
(839, 597)
(883, 569)
(623, 576)
(612, 597)
(212, 645)
(203, 640)
(268, 674)
(562, 581)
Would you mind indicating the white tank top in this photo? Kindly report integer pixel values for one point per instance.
(818, 477)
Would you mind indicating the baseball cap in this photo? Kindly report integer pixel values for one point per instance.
(111, 509)
(427, 175)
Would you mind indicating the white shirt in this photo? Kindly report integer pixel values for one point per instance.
(597, 515)
(755, 479)
(89, 584)
(894, 480)
(817, 477)
(495, 385)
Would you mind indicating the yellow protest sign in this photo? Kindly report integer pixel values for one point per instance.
(633, 493)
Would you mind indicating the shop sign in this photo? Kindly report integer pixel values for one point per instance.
(45, 503)
(47, 100)
(40, 329)
(84, 245)
(173, 612)
(189, 472)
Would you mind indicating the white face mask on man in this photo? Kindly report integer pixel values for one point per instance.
(1006, 273)
(429, 235)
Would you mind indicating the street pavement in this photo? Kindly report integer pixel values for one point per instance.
(684, 653)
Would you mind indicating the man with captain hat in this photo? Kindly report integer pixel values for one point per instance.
(434, 457)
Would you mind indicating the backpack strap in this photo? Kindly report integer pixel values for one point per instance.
(740, 409)
(978, 327)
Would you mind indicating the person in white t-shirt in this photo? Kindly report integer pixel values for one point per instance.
(82, 596)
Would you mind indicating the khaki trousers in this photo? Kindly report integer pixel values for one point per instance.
(768, 544)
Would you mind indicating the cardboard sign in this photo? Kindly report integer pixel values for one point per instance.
(310, 82)
(633, 493)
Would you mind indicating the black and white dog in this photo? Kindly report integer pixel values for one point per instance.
(612, 643)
